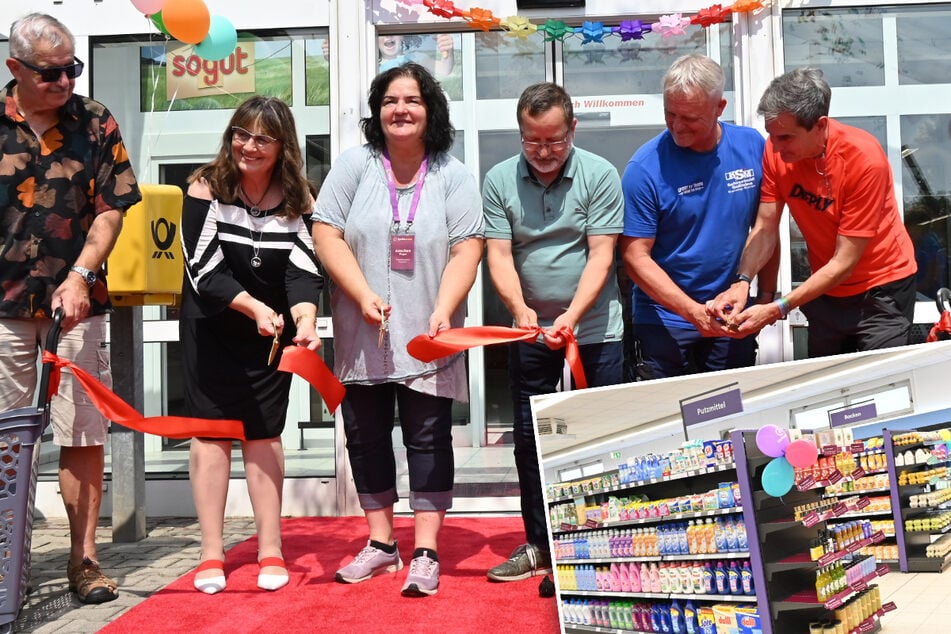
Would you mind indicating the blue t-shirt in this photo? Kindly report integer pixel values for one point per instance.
(698, 207)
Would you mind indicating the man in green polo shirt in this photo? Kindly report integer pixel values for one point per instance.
(552, 217)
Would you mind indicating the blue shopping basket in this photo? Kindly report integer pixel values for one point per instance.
(20, 433)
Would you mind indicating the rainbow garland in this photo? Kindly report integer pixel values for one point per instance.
(517, 26)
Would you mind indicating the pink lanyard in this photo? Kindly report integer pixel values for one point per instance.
(394, 196)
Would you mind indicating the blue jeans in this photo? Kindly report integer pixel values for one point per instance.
(534, 369)
(680, 351)
(426, 422)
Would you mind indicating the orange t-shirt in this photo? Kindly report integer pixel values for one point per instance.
(855, 198)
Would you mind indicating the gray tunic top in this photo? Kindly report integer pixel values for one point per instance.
(355, 199)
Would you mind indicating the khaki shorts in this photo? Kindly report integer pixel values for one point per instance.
(76, 422)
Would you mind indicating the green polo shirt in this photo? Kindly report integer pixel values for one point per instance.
(549, 226)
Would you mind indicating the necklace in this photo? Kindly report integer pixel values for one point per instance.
(255, 209)
(256, 248)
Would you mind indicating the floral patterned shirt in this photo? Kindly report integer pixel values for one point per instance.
(51, 189)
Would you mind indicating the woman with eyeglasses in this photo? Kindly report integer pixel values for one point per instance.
(398, 227)
(251, 287)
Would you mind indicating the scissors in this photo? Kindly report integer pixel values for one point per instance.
(383, 327)
(274, 346)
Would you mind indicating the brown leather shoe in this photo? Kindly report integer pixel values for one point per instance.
(89, 584)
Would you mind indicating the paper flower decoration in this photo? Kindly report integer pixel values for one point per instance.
(517, 26)
(442, 8)
(482, 19)
(632, 30)
(555, 30)
(746, 6)
(711, 15)
(671, 25)
(593, 32)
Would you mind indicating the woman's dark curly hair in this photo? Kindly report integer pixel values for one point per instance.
(439, 133)
(272, 117)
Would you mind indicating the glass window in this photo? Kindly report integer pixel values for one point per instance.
(439, 53)
(637, 67)
(317, 72)
(507, 65)
(847, 44)
(924, 44)
(174, 78)
(926, 183)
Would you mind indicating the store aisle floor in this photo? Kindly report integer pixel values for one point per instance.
(922, 600)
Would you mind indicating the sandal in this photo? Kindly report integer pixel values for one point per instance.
(271, 581)
(211, 585)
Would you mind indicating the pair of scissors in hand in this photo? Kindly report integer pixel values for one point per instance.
(274, 346)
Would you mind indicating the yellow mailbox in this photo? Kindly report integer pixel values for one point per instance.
(146, 265)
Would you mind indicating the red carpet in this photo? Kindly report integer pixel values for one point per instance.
(315, 548)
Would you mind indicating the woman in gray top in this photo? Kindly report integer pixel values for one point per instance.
(399, 230)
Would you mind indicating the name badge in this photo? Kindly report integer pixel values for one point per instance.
(402, 251)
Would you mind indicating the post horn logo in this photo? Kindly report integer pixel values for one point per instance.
(162, 244)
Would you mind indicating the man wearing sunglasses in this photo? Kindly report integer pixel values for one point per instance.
(552, 217)
(65, 184)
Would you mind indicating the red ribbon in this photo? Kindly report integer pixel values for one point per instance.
(118, 411)
(446, 342)
(308, 365)
(942, 327)
(297, 360)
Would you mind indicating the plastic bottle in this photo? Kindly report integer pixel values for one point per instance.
(624, 576)
(654, 578)
(691, 625)
(719, 578)
(644, 578)
(719, 537)
(664, 575)
(676, 617)
(742, 542)
(729, 533)
(733, 578)
(708, 583)
(696, 576)
(709, 530)
(634, 577)
(746, 579)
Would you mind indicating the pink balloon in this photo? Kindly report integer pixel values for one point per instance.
(148, 7)
(772, 440)
(802, 453)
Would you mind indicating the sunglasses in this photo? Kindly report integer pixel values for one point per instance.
(51, 74)
(242, 136)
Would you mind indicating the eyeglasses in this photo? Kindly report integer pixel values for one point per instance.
(242, 136)
(51, 74)
(551, 146)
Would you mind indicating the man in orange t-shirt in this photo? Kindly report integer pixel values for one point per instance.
(838, 186)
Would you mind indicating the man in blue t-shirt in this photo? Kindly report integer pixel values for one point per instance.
(690, 195)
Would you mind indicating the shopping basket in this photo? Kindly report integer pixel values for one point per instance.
(20, 433)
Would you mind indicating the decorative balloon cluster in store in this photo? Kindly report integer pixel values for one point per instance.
(590, 31)
(189, 21)
(779, 475)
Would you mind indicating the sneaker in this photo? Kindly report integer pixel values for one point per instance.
(369, 562)
(526, 561)
(423, 577)
(89, 584)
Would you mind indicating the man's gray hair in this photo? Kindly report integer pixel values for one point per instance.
(802, 93)
(693, 72)
(37, 27)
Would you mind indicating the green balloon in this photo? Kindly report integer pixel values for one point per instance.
(159, 23)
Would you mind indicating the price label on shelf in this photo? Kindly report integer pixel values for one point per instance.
(835, 476)
(806, 483)
(839, 509)
(859, 585)
(867, 626)
(833, 603)
(888, 607)
(565, 527)
(876, 537)
(591, 524)
(858, 473)
(856, 546)
(882, 569)
(828, 558)
(830, 450)
(857, 447)
(862, 502)
(811, 519)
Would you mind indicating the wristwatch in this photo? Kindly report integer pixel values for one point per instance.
(742, 278)
(88, 276)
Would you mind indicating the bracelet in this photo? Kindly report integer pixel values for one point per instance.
(298, 319)
(784, 306)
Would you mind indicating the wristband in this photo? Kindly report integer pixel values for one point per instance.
(742, 278)
(784, 307)
(298, 319)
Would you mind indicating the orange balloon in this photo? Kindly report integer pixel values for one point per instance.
(186, 20)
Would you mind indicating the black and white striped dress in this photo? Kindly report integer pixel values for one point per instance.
(224, 358)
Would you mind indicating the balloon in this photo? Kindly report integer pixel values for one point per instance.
(220, 41)
(772, 440)
(778, 477)
(801, 453)
(159, 23)
(186, 20)
(148, 7)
